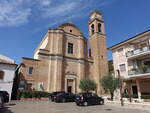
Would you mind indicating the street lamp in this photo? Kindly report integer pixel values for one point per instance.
(120, 87)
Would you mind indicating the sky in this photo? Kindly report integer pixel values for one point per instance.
(23, 23)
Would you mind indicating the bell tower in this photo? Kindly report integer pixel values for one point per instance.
(98, 48)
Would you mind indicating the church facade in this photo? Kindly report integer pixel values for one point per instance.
(65, 56)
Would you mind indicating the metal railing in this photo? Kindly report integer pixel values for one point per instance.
(138, 51)
(138, 71)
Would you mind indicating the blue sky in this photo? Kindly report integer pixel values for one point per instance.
(23, 23)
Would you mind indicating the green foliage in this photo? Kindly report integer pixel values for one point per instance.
(34, 94)
(109, 83)
(143, 96)
(132, 96)
(26, 94)
(143, 68)
(134, 69)
(87, 85)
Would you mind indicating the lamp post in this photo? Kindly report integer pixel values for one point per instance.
(120, 87)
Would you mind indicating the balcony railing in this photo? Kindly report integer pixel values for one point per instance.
(138, 71)
(137, 51)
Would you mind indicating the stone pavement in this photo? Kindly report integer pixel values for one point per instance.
(141, 105)
(49, 107)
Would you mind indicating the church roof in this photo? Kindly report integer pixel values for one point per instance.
(128, 40)
(68, 24)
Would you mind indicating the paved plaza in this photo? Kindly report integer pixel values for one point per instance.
(49, 107)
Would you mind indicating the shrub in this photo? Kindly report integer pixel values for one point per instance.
(26, 94)
(143, 96)
(34, 94)
(132, 96)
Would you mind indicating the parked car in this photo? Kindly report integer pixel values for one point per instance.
(88, 99)
(65, 97)
(1, 101)
(52, 95)
(5, 96)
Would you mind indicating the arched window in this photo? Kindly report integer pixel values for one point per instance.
(99, 27)
(1, 75)
(92, 29)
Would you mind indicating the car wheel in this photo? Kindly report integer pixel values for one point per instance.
(85, 104)
(77, 104)
(101, 102)
(63, 100)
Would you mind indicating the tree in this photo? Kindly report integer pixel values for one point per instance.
(109, 84)
(87, 84)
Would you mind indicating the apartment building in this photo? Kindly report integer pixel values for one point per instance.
(132, 58)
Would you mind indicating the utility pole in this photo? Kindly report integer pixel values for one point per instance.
(120, 87)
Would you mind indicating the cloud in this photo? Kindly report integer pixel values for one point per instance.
(45, 2)
(12, 13)
(18, 12)
(60, 10)
(68, 7)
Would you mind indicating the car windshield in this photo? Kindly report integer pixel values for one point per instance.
(78, 95)
(59, 94)
(55, 93)
(95, 95)
(83, 94)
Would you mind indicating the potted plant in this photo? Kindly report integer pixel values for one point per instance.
(134, 70)
(143, 68)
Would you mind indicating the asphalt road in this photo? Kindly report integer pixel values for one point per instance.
(49, 107)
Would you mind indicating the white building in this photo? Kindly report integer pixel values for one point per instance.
(7, 73)
(132, 58)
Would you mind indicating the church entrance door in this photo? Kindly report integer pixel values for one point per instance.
(70, 83)
(70, 89)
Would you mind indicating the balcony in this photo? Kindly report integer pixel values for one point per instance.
(138, 52)
(137, 72)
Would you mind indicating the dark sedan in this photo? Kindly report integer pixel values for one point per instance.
(52, 95)
(86, 99)
(5, 96)
(1, 101)
(65, 97)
